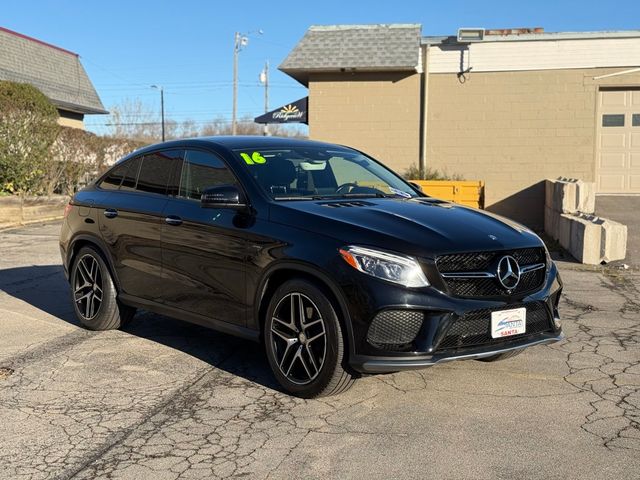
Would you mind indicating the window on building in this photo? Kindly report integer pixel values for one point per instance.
(635, 120)
(613, 120)
(202, 170)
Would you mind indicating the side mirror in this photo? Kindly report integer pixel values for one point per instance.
(222, 196)
(416, 186)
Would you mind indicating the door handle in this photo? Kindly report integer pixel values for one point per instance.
(110, 213)
(173, 220)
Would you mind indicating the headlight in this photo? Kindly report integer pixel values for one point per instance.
(394, 268)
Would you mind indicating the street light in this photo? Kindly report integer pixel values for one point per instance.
(240, 40)
(161, 106)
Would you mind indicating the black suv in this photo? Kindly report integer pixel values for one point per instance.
(333, 261)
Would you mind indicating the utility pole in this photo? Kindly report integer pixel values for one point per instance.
(236, 49)
(161, 106)
(264, 79)
(240, 40)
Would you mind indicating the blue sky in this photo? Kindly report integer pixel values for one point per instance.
(187, 45)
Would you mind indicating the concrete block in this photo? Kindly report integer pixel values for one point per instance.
(564, 230)
(551, 220)
(586, 238)
(586, 197)
(565, 195)
(614, 241)
(549, 186)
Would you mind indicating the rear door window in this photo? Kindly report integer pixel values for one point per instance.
(202, 170)
(157, 171)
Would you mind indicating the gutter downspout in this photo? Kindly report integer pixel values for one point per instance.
(424, 111)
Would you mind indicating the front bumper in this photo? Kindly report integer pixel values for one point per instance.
(368, 364)
(367, 297)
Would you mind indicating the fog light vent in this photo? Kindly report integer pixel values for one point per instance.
(395, 329)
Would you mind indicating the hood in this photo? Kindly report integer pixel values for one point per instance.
(419, 226)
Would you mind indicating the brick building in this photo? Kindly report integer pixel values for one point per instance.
(56, 72)
(509, 107)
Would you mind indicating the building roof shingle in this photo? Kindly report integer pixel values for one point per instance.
(56, 72)
(392, 47)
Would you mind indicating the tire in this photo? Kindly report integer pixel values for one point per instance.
(94, 294)
(501, 356)
(307, 361)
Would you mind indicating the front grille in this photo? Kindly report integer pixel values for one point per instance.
(489, 287)
(486, 262)
(395, 329)
(474, 327)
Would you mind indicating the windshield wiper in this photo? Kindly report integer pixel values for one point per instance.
(296, 197)
(349, 195)
(337, 197)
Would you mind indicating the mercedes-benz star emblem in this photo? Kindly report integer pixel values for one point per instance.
(508, 272)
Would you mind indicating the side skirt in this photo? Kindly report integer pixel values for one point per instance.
(220, 326)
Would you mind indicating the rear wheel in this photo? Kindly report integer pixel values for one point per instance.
(304, 341)
(501, 356)
(94, 294)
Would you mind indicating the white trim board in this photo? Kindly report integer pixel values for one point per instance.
(535, 55)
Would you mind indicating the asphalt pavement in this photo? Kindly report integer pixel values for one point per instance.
(164, 399)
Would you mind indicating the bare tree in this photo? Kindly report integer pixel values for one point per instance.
(134, 120)
(131, 119)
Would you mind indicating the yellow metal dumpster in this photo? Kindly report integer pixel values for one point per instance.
(469, 193)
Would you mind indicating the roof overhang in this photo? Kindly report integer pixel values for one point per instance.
(78, 108)
(302, 75)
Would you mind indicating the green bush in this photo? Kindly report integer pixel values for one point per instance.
(413, 173)
(78, 156)
(28, 128)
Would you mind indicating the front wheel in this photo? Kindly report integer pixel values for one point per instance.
(304, 341)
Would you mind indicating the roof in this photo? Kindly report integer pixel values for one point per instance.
(56, 72)
(532, 37)
(232, 142)
(335, 48)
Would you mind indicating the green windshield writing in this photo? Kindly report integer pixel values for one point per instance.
(255, 157)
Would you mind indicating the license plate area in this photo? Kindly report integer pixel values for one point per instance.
(505, 323)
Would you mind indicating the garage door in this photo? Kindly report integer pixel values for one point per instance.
(618, 147)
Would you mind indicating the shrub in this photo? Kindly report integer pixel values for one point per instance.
(28, 128)
(78, 156)
(413, 173)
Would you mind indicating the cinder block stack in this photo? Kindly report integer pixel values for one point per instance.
(569, 218)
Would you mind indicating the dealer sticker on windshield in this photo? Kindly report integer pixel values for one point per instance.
(505, 323)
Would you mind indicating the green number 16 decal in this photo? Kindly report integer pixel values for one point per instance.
(254, 158)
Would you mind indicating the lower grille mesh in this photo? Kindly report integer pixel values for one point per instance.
(474, 328)
(395, 329)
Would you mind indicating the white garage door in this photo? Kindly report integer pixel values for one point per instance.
(618, 147)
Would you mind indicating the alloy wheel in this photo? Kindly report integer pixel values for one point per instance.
(299, 339)
(88, 286)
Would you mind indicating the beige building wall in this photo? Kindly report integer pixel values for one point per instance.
(378, 113)
(513, 129)
(66, 121)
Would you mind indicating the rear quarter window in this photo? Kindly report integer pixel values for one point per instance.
(114, 178)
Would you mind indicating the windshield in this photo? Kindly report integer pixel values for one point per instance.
(311, 173)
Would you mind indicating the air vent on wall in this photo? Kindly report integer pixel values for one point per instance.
(470, 35)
